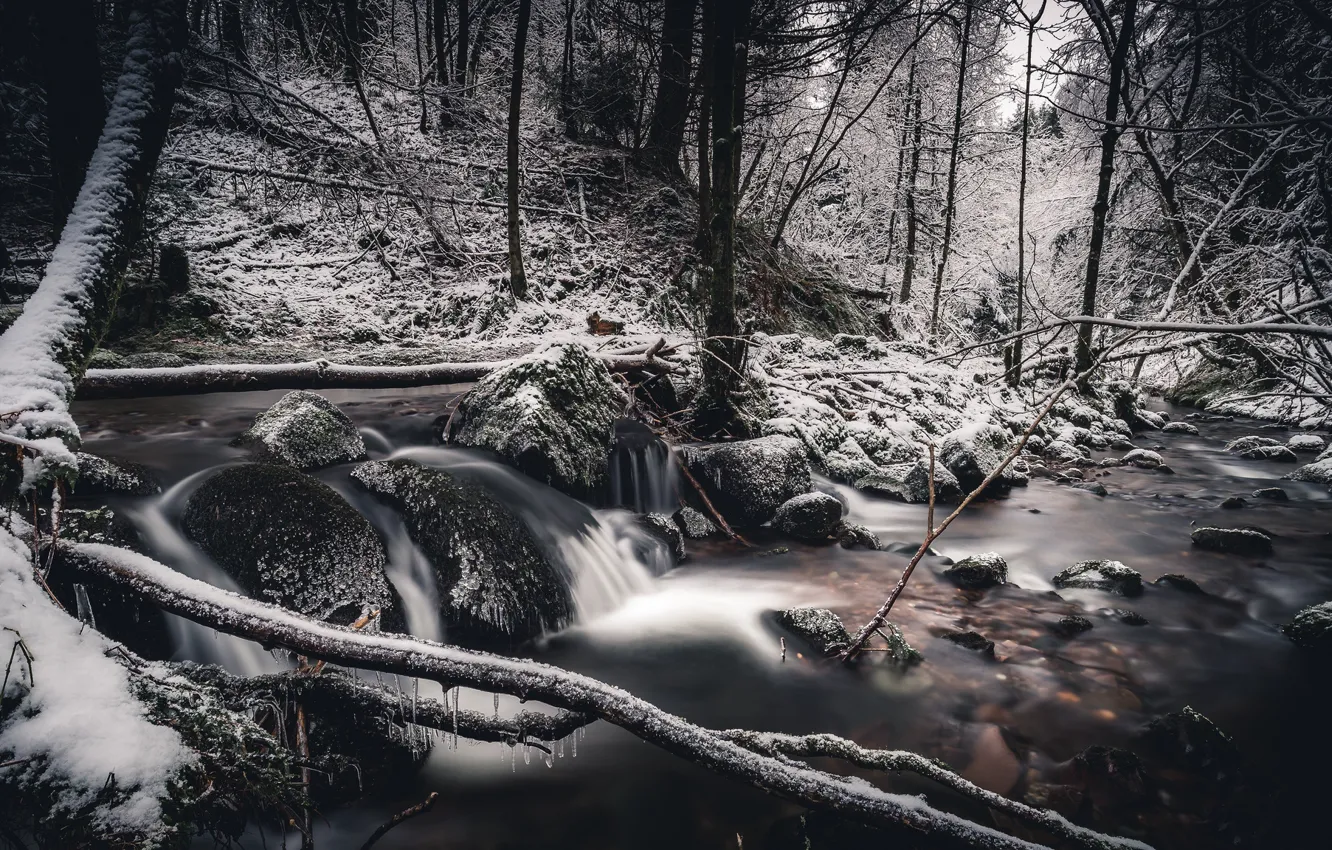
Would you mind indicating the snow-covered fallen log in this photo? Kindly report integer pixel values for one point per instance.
(275, 627)
(311, 375)
(45, 350)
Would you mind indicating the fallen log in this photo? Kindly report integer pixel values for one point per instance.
(906, 816)
(311, 375)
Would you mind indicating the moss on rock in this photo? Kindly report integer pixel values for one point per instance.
(305, 431)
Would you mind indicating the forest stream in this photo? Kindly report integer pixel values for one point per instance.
(700, 639)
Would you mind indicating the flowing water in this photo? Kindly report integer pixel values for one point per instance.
(698, 640)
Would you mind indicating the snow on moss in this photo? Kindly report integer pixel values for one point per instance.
(75, 717)
(304, 430)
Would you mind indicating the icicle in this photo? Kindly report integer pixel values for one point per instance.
(497, 705)
(513, 759)
(560, 747)
(457, 695)
(527, 754)
(550, 760)
(84, 606)
(574, 742)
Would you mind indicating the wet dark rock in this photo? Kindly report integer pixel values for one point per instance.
(1276, 454)
(1110, 576)
(1143, 458)
(495, 583)
(1119, 444)
(1234, 502)
(1236, 541)
(972, 453)
(977, 572)
(290, 539)
(305, 431)
(1074, 474)
(1276, 494)
(1114, 773)
(1311, 628)
(1127, 617)
(899, 654)
(549, 415)
(1179, 582)
(1095, 487)
(854, 536)
(911, 483)
(974, 641)
(749, 480)
(1165, 470)
(1187, 739)
(695, 525)
(99, 476)
(819, 627)
(663, 528)
(1071, 626)
(811, 517)
(1240, 445)
(1179, 428)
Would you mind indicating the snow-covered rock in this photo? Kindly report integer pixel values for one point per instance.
(1311, 628)
(811, 517)
(290, 539)
(974, 452)
(1059, 451)
(550, 415)
(304, 430)
(978, 571)
(663, 528)
(1110, 576)
(495, 583)
(1318, 472)
(1306, 443)
(1180, 428)
(1143, 458)
(750, 479)
(911, 483)
(1277, 454)
(1238, 541)
(1240, 445)
(694, 525)
(99, 476)
(819, 627)
(1144, 419)
(854, 536)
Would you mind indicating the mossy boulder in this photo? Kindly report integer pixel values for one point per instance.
(290, 539)
(1110, 576)
(1143, 459)
(694, 525)
(911, 483)
(1240, 445)
(305, 431)
(99, 476)
(977, 572)
(663, 528)
(811, 517)
(1318, 472)
(496, 586)
(549, 415)
(749, 480)
(1311, 628)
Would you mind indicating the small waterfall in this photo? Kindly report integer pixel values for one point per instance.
(408, 568)
(643, 476)
(157, 521)
(609, 558)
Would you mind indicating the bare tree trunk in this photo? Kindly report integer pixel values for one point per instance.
(912, 223)
(232, 30)
(439, 20)
(1015, 372)
(464, 34)
(353, 37)
(950, 198)
(45, 351)
(75, 105)
(567, 73)
(517, 277)
(297, 22)
(724, 351)
(1109, 138)
(666, 132)
(705, 66)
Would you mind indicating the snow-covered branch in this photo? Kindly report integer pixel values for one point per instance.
(276, 627)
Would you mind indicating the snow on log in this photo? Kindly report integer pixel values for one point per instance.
(315, 374)
(46, 349)
(272, 626)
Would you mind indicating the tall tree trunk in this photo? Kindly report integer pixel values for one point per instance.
(724, 351)
(1015, 372)
(902, 147)
(666, 132)
(517, 277)
(295, 20)
(1101, 208)
(705, 85)
(912, 222)
(232, 29)
(45, 351)
(439, 22)
(354, 36)
(75, 105)
(950, 198)
(464, 35)
(567, 72)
